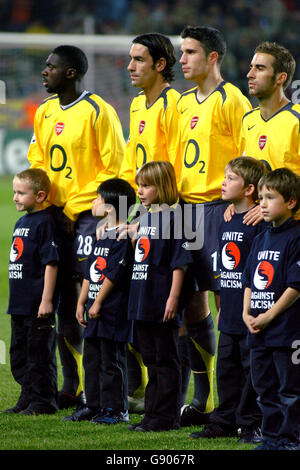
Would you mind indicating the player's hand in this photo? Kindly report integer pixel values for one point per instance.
(45, 309)
(94, 310)
(229, 213)
(170, 309)
(127, 230)
(253, 217)
(100, 230)
(80, 316)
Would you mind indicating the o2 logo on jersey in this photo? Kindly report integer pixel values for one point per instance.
(262, 141)
(263, 275)
(141, 127)
(194, 122)
(59, 127)
(16, 249)
(96, 269)
(142, 249)
(230, 256)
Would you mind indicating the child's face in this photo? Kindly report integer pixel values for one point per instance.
(273, 206)
(233, 188)
(24, 196)
(98, 208)
(148, 194)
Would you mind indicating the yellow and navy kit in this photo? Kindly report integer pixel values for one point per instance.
(210, 136)
(153, 133)
(276, 140)
(79, 146)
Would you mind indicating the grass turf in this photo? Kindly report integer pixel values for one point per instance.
(49, 432)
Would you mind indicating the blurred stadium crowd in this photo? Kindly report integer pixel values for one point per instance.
(244, 24)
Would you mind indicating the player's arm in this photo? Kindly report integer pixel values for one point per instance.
(172, 135)
(110, 146)
(173, 299)
(106, 288)
(80, 309)
(46, 305)
(35, 153)
(247, 317)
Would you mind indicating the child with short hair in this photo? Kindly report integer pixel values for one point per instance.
(32, 301)
(161, 255)
(271, 310)
(104, 300)
(237, 407)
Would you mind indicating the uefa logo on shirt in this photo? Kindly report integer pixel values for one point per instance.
(230, 256)
(142, 249)
(263, 275)
(96, 269)
(194, 122)
(262, 141)
(16, 249)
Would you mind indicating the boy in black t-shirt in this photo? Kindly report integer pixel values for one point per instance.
(104, 299)
(32, 301)
(237, 407)
(271, 311)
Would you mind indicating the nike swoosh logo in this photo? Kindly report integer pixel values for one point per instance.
(184, 110)
(251, 127)
(135, 110)
(216, 277)
(48, 115)
(82, 259)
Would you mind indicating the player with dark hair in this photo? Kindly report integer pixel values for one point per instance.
(78, 141)
(153, 136)
(210, 135)
(271, 130)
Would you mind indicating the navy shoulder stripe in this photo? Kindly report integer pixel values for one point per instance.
(88, 98)
(293, 111)
(249, 112)
(54, 97)
(220, 88)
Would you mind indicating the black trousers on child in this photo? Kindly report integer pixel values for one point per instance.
(33, 361)
(159, 348)
(237, 398)
(106, 382)
(276, 379)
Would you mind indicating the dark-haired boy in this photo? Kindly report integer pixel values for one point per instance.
(271, 310)
(104, 299)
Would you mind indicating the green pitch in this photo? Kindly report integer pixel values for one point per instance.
(49, 432)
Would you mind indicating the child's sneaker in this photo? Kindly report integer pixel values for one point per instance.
(111, 416)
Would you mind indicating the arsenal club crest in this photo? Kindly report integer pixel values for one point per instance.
(59, 127)
(194, 121)
(142, 126)
(262, 141)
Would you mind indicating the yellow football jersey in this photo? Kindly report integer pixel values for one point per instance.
(276, 140)
(79, 146)
(210, 136)
(153, 133)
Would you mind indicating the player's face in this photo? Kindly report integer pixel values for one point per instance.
(261, 77)
(148, 194)
(273, 206)
(193, 60)
(24, 196)
(141, 68)
(233, 188)
(54, 74)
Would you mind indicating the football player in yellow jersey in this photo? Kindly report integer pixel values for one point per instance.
(153, 136)
(210, 136)
(271, 131)
(78, 141)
